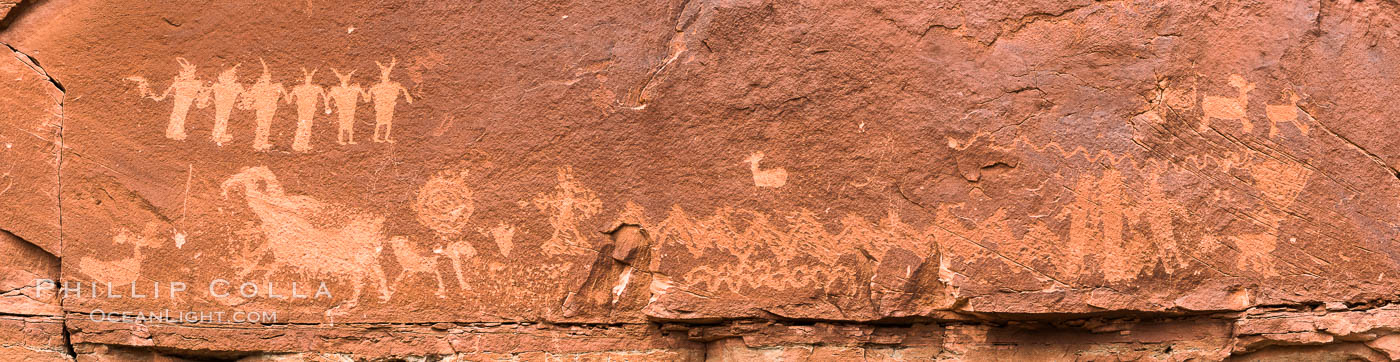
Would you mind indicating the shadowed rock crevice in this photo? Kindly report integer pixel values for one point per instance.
(31, 240)
(9, 9)
(34, 64)
(42, 153)
(618, 279)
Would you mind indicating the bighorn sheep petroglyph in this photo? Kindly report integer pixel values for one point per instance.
(1230, 108)
(320, 238)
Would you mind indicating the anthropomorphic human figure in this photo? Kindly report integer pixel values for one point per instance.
(346, 98)
(307, 95)
(262, 97)
(188, 91)
(386, 95)
(226, 92)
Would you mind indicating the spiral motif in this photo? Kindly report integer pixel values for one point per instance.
(444, 204)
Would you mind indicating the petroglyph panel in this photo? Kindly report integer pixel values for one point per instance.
(468, 196)
(693, 167)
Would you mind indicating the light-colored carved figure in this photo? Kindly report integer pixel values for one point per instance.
(445, 203)
(188, 90)
(1230, 108)
(262, 97)
(457, 252)
(324, 239)
(307, 96)
(566, 207)
(415, 263)
(773, 177)
(8, 176)
(121, 270)
(504, 236)
(1279, 181)
(1281, 113)
(345, 97)
(226, 93)
(799, 253)
(386, 96)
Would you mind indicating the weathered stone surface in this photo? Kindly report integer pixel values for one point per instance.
(702, 179)
(28, 280)
(6, 6)
(32, 339)
(30, 143)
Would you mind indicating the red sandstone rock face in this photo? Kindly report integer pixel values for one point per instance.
(683, 180)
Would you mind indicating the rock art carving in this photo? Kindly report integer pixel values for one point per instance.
(504, 236)
(122, 270)
(306, 95)
(188, 90)
(566, 207)
(1021, 143)
(386, 96)
(301, 231)
(1285, 113)
(326, 239)
(445, 204)
(1102, 206)
(1280, 181)
(226, 93)
(773, 177)
(346, 97)
(263, 97)
(415, 263)
(1104, 203)
(796, 254)
(1091, 222)
(457, 252)
(8, 175)
(1230, 108)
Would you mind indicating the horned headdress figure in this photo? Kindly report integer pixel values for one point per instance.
(306, 95)
(188, 91)
(262, 97)
(226, 93)
(385, 95)
(345, 96)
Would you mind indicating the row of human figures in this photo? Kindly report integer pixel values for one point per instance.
(262, 97)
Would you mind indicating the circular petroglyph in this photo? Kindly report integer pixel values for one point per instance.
(445, 203)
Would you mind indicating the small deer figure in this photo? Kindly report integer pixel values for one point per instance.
(1230, 108)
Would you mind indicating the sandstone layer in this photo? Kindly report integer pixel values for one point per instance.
(699, 180)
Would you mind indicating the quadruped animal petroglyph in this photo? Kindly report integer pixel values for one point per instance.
(772, 178)
(1230, 108)
(325, 239)
(262, 96)
(1236, 109)
(321, 238)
